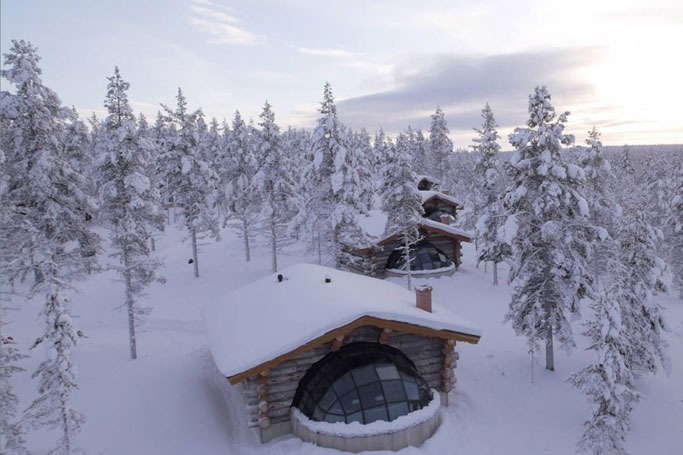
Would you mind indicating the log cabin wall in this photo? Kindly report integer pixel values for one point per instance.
(437, 204)
(279, 385)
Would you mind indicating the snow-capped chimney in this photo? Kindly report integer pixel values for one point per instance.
(423, 296)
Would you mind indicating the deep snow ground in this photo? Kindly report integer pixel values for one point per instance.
(168, 401)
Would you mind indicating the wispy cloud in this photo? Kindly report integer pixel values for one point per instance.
(331, 53)
(220, 23)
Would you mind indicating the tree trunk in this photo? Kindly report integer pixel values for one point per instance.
(195, 254)
(406, 245)
(245, 232)
(273, 240)
(131, 321)
(320, 249)
(495, 273)
(152, 243)
(549, 354)
(132, 341)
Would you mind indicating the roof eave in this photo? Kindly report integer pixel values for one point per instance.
(343, 330)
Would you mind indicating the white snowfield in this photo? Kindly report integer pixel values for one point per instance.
(268, 318)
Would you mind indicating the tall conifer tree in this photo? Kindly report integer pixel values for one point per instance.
(547, 229)
(488, 190)
(129, 201)
(403, 203)
(190, 179)
(47, 206)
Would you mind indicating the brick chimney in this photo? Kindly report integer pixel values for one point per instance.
(423, 295)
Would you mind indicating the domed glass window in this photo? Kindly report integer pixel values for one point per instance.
(361, 382)
(423, 256)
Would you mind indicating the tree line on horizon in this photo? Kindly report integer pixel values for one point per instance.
(578, 226)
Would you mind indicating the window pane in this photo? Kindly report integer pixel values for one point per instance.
(328, 399)
(411, 390)
(371, 395)
(334, 418)
(387, 371)
(336, 408)
(393, 391)
(350, 402)
(364, 375)
(355, 417)
(378, 413)
(343, 384)
(397, 410)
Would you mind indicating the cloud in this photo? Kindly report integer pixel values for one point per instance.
(461, 85)
(331, 53)
(219, 22)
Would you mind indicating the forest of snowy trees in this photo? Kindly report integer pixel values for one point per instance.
(587, 230)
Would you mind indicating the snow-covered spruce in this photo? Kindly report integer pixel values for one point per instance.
(274, 184)
(46, 230)
(642, 317)
(488, 204)
(189, 180)
(440, 147)
(608, 381)
(550, 242)
(403, 200)
(605, 212)
(337, 190)
(129, 202)
(236, 173)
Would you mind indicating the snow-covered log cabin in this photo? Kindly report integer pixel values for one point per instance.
(339, 359)
(438, 253)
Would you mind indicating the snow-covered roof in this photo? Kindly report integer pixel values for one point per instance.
(268, 319)
(427, 195)
(446, 228)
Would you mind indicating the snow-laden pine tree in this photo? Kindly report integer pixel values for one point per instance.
(625, 334)
(643, 319)
(243, 203)
(675, 224)
(403, 203)
(420, 153)
(359, 142)
(129, 202)
(190, 179)
(12, 431)
(440, 148)
(274, 184)
(78, 148)
(336, 188)
(47, 231)
(383, 157)
(628, 196)
(608, 382)
(146, 136)
(605, 211)
(546, 228)
(488, 189)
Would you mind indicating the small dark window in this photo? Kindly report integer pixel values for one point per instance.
(362, 382)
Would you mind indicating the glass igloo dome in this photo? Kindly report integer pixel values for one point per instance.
(361, 382)
(423, 257)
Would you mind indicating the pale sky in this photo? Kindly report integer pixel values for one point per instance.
(615, 64)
